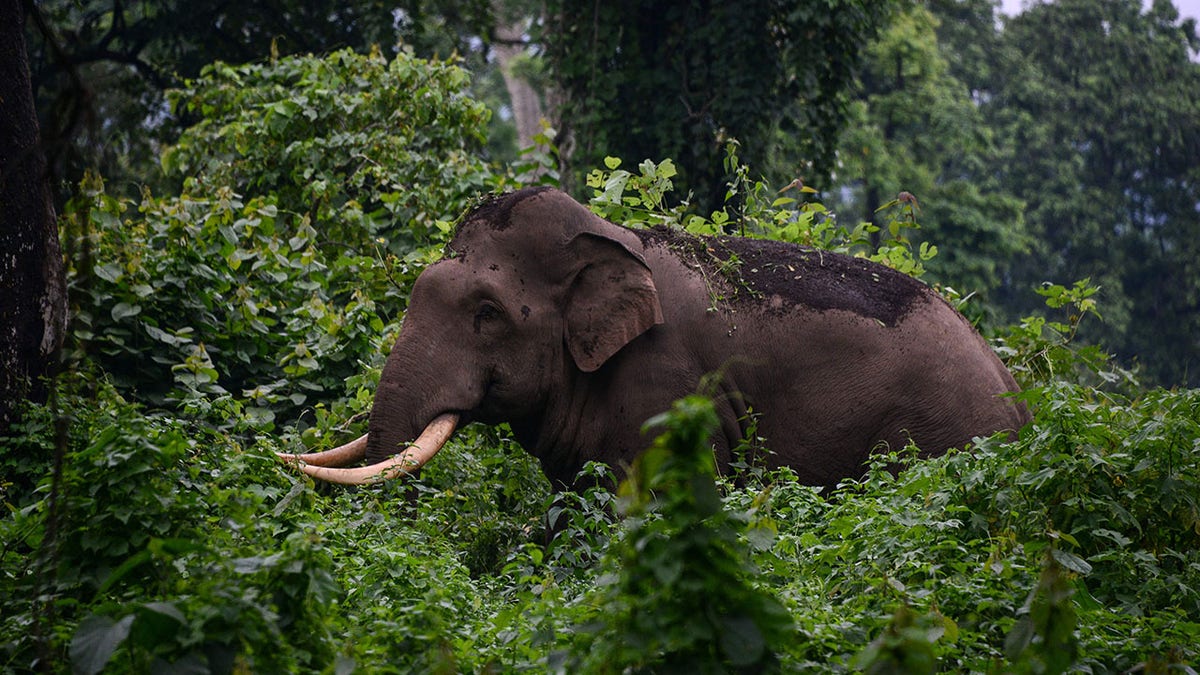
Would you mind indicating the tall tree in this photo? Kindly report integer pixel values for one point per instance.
(32, 286)
(676, 78)
(1100, 104)
(510, 48)
(914, 127)
(968, 35)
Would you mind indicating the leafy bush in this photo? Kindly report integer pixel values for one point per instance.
(149, 548)
(962, 549)
(752, 209)
(311, 193)
(681, 597)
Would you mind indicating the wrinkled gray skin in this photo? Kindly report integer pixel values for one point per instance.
(575, 331)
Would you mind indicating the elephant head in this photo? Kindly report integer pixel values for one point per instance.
(534, 287)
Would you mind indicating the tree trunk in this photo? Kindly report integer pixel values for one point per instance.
(526, 107)
(32, 284)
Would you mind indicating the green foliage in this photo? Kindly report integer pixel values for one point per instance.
(1130, 495)
(1043, 639)
(388, 141)
(315, 191)
(160, 550)
(752, 209)
(1039, 350)
(582, 523)
(102, 69)
(681, 599)
(1012, 555)
(915, 129)
(151, 548)
(1094, 103)
(676, 79)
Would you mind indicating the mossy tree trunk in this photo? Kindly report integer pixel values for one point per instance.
(32, 285)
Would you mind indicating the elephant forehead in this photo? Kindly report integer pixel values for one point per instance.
(518, 219)
(496, 212)
(466, 279)
(516, 255)
(534, 224)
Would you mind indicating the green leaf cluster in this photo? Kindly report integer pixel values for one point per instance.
(678, 78)
(163, 549)
(681, 598)
(152, 552)
(102, 70)
(311, 193)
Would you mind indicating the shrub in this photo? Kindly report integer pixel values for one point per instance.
(150, 547)
(311, 191)
(680, 597)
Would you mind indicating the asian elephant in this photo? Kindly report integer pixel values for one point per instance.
(575, 331)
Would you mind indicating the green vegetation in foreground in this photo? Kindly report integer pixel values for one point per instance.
(1076, 546)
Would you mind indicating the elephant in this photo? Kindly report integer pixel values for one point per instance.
(575, 331)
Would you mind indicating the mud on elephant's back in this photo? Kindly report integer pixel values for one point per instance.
(800, 276)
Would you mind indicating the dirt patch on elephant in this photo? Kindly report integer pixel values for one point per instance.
(799, 276)
(496, 210)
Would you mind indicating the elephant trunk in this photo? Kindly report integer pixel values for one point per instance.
(415, 456)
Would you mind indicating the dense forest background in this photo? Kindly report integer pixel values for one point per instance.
(245, 192)
(1056, 145)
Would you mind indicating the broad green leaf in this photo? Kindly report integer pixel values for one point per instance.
(109, 272)
(1071, 561)
(124, 310)
(95, 641)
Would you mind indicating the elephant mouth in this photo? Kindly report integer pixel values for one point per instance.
(329, 465)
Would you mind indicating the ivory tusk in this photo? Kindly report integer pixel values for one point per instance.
(418, 453)
(342, 455)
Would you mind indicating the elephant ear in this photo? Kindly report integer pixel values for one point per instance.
(612, 300)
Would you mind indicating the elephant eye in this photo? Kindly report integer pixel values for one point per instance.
(486, 313)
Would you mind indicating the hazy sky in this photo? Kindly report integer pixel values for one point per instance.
(1187, 8)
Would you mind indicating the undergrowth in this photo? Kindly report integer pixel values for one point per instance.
(1076, 546)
